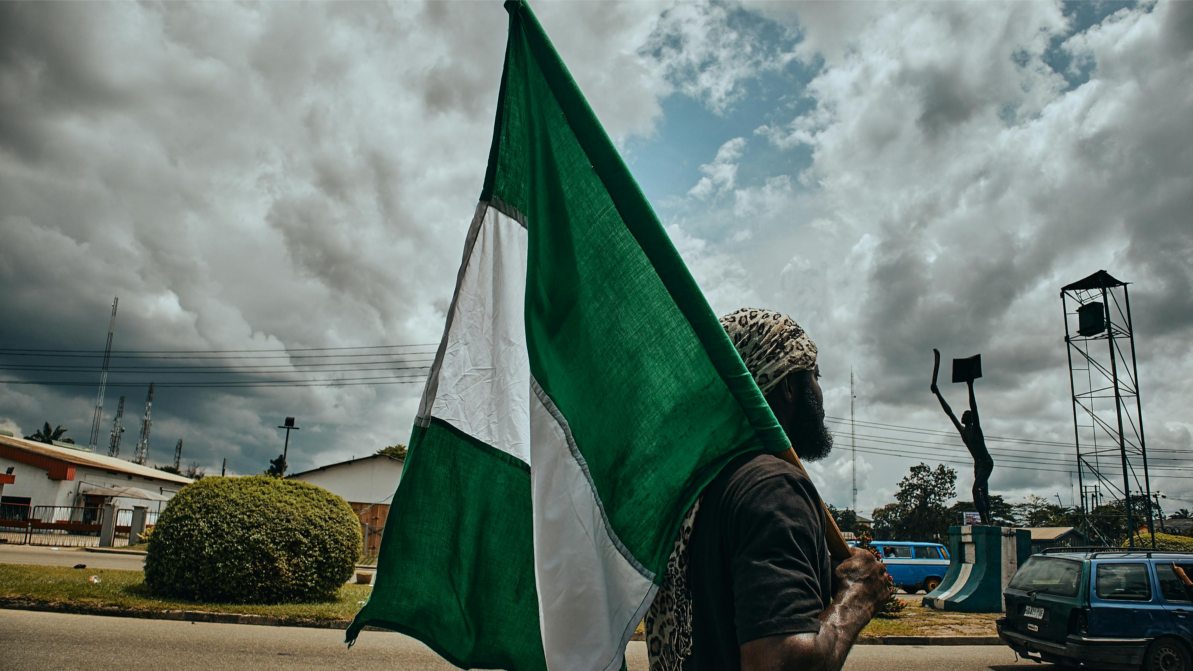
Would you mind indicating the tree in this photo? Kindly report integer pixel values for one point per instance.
(277, 467)
(1002, 514)
(393, 451)
(169, 468)
(1110, 519)
(48, 436)
(887, 521)
(845, 518)
(1182, 514)
(1039, 512)
(921, 496)
(194, 472)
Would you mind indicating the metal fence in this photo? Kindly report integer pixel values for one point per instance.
(14, 522)
(64, 526)
(124, 523)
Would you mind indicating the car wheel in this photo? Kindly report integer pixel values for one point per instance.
(931, 584)
(1167, 654)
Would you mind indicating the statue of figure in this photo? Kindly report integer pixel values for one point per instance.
(970, 429)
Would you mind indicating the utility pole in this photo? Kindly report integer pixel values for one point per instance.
(852, 442)
(178, 455)
(117, 430)
(224, 467)
(142, 451)
(103, 381)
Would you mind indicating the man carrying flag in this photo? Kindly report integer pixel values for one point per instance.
(582, 398)
(758, 589)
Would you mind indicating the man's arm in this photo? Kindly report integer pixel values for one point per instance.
(863, 589)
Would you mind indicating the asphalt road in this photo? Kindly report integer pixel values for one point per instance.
(31, 641)
(45, 556)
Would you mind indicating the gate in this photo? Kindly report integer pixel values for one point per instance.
(64, 526)
(14, 522)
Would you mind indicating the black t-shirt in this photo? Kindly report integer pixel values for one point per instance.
(759, 564)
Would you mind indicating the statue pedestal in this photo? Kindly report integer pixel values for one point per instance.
(982, 560)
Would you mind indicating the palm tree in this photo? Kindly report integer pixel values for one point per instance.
(1182, 514)
(48, 435)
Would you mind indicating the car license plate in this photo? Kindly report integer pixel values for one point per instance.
(1034, 612)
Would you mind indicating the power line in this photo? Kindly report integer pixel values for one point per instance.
(335, 382)
(228, 368)
(11, 350)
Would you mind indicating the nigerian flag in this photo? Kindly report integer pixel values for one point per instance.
(582, 396)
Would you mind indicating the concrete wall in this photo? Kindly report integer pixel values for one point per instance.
(33, 482)
(364, 481)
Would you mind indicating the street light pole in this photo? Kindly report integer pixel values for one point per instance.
(288, 426)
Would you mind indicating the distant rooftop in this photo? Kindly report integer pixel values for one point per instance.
(79, 456)
(344, 463)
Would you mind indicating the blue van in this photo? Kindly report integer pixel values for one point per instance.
(1105, 609)
(913, 565)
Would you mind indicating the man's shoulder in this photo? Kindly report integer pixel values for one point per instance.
(752, 468)
(763, 479)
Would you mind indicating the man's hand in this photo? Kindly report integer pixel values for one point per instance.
(1180, 573)
(863, 580)
(863, 587)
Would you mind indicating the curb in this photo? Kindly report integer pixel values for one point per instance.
(119, 551)
(271, 621)
(116, 551)
(176, 615)
(929, 640)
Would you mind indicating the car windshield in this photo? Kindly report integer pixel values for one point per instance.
(1049, 575)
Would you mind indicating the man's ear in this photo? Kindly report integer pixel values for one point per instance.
(790, 387)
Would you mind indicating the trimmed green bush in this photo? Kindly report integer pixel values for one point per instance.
(1163, 542)
(256, 539)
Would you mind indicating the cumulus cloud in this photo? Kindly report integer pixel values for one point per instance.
(720, 175)
(709, 50)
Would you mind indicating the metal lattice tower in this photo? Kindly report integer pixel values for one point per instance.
(1104, 380)
(142, 451)
(178, 454)
(117, 430)
(103, 381)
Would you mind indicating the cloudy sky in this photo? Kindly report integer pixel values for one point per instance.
(250, 179)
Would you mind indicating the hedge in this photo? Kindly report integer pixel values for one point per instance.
(1163, 542)
(256, 539)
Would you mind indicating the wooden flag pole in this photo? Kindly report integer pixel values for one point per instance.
(837, 547)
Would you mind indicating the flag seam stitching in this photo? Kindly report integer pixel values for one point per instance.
(507, 209)
(575, 450)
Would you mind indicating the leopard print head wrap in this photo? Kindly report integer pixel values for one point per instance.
(771, 345)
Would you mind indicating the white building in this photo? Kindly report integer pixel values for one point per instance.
(51, 475)
(367, 484)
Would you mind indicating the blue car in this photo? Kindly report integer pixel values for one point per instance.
(912, 565)
(1105, 609)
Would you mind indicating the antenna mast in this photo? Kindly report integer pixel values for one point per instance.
(142, 451)
(117, 431)
(103, 381)
(852, 445)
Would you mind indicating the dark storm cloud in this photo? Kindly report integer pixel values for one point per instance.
(254, 177)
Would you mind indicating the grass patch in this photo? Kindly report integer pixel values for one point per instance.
(125, 590)
(920, 621)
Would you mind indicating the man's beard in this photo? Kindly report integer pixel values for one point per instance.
(811, 440)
